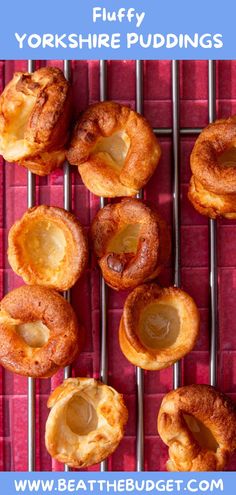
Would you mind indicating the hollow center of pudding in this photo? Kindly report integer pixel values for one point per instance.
(45, 245)
(228, 158)
(22, 115)
(159, 326)
(201, 433)
(81, 417)
(34, 333)
(126, 240)
(15, 145)
(114, 148)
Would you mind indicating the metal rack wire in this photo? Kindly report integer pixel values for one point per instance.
(175, 132)
(213, 241)
(176, 196)
(139, 371)
(67, 206)
(31, 381)
(103, 288)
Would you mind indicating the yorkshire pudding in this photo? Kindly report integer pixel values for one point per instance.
(48, 247)
(86, 422)
(158, 326)
(213, 159)
(131, 242)
(210, 204)
(115, 150)
(198, 423)
(34, 118)
(39, 332)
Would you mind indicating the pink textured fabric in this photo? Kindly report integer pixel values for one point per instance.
(85, 295)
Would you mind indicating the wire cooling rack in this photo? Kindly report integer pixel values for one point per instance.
(175, 133)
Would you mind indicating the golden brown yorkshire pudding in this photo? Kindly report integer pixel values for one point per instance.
(210, 204)
(39, 332)
(131, 242)
(198, 423)
(34, 118)
(48, 247)
(213, 159)
(115, 150)
(45, 162)
(158, 326)
(86, 422)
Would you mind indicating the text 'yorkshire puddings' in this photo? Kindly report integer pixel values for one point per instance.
(198, 424)
(131, 242)
(115, 150)
(86, 422)
(39, 332)
(158, 326)
(48, 247)
(34, 119)
(212, 189)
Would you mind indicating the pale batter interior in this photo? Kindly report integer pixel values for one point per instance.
(159, 326)
(35, 333)
(201, 433)
(81, 417)
(44, 245)
(113, 149)
(126, 240)
(13, 141)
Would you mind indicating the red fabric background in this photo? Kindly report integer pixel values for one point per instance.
(85, 295)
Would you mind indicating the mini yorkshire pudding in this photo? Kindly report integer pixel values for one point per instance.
(48, 247)
(115, 150)
(131, 242)
(210, 204)
(213, 159)
(39, 332)
(198, 424)
(34, 119)
(86, 422)
(158, 326)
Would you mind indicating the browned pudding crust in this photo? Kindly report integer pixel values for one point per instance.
(48, 247)
(86, 422)
(115, 150)
(213, 141)
(131, 242)
(44, 163)
(198, 423)
(39, 332)
(158, 326)
(210, 204)
(35, 112)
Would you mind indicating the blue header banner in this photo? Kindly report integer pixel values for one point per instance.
(118, 29)
(97, 483)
